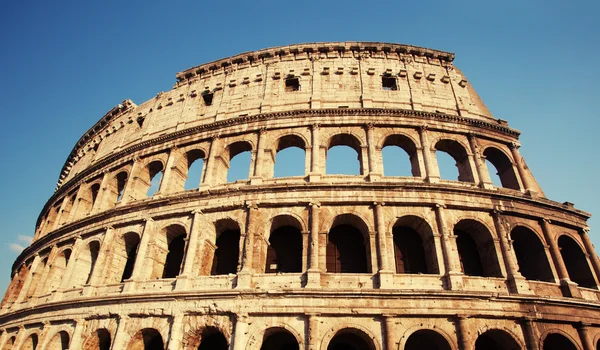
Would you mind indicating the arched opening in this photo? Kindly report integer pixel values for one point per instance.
(576, 262)
(85, 263)
(284, 253)
(555, 341)
(155, 173)
(100, 340)
(57, 270)
(213, 339)
(60, 341)
(121, 181)
(426, 339)
(476, 249)
(504, 168)
(414, 246)
(16, 285)
(36, 284)
(131, 242)
(351, 339)
(531, 255)
(239, 161)
(346, 249)
(279, 339)
(66, 213)
(495, 339)
(146, 339)
(94, 190)
(399, 155)
(290, 157)
(340, 152)
(460, 157)
(227, 251)
(30, 343)
(195, 164)
(9, 344)
(175, 235)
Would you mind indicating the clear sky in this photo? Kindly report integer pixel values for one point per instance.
(64, 64)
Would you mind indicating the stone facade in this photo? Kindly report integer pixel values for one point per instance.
(314, 261)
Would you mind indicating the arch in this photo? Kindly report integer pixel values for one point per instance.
(57, 270)
(278, 338)
(16, 285)
(170, 250)
(36, 284)
(146, 339)
(66, 212)
(131, 243)
(212, 338)
(293, 163)
(504, 167)
(84, 267)
(476, 249)
(414, 246)
(557, 341)
(531, 255)
(9, 343)
(347, 245)
(154, 172)
(459, 153)
(194, 164)
(496, 339)
(347, 140)
(120, 182)
(227, 250)
(242, 170)
(284, 252)
(99, 340)
(408, 145)
(60, 341)
(351, 339)
(31, 343)
(427, 339)
(576, 262)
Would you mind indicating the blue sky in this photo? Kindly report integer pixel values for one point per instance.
(64, 64)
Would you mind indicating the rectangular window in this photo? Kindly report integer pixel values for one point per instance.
(389, 83)
(292, 84)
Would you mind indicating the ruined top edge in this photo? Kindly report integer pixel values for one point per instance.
(356, 46)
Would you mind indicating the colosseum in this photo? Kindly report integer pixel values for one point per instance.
(132, 253)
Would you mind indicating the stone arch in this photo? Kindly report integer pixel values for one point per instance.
(195, 327)
(284, 147)
(8, 345)
(85, 263)
(504, 167)
(99, 340)
(31, 342)
(192, 159)
(531, 255)
(284, 244)
(153, 174)
(476, 249)
(276, 338)
(146, 339)
(409, 146)
(205, 338)
(87, 198)
(348, 245)
(497, 339)
(359, 333)
(36, 284)
(16, 285)
(67, 211)
(556, 339)
(226, 256)
(576, 262)
(458, 151)
(168, 251)
(59, 341)
(57, 270)
(232, 150)
(426, 338)
(115, 187)
(350, 140)
(414, 245)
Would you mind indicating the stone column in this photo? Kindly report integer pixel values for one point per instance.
(190, 252)
(100, 266)
(314, 272)
(245, 274)
(516, 281)
(257, 175)
(389, 341)
(174, 176)
(315, 171)
(100, 203)
(374, 169)
(385, 273)
(452, 272)
(65, 284)
(589, 247)
(176, 334)
(586, 341)
(313, 332)
(74, 214)
(209, 175)
(141, 255)
(568, 288)
(76, 341)
(514, 147)
(59, 217)
(531, 338)
(121, 333)
(129, 189)
(23, 292)
(240, 335)
(431, 172)
(462, 333)
(484, 176)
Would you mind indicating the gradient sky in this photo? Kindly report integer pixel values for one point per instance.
(64, 64)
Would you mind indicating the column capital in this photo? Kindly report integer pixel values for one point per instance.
(380, 204)
(368, 126)
(423, 127)
(547, 221)
(251, 205)
(315, 126)
(109, 227)
(148, 219)
(514, 145)
(314, 204)
(262, 130)
(440, 206)
(196, 211)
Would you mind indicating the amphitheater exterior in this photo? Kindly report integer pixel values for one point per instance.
(313, 261)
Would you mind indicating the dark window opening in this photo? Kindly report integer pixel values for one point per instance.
(350, 339)
(131, 246)
(408, 246)
(426, 339)
(576, 262)
(94, 250)
(292, 84)
(207, 96)
(556, 341)
(140, 121)
(531, 255)
(174, 257)
(155, 173)
(496, 340)
(104, 339)
(470, 260)
(152, 339)
(284, 253)
(213, 339)
(227, 253)
(389, 83)
(121, 181)
(95, 189)
(346, 251)
(64, 340)
(279, 339)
